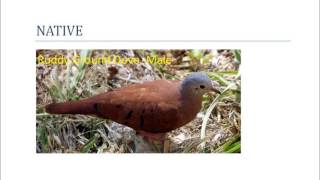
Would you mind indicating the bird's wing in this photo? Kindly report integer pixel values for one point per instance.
(152, 107)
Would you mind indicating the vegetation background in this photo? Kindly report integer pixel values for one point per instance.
(215, 129)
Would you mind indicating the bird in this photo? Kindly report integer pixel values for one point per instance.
(152, 108)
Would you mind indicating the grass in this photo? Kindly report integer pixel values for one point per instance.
(218, 130)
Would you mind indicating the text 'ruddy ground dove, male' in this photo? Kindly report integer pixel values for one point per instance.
(152, 107)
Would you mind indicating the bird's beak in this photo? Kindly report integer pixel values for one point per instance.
(215, 88)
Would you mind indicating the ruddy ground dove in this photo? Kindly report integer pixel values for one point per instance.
(152, 107)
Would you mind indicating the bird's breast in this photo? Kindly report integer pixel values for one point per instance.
(189, 110)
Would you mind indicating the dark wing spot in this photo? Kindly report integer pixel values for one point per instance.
(141, 121)
(129, 114)
(95, 107)
(118, 106)
(141, 118)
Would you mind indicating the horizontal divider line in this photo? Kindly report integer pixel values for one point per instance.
(173, 41)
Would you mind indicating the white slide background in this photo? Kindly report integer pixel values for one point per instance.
(280, 84)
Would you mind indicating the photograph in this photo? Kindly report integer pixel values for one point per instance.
(138, 101)
(159, 89)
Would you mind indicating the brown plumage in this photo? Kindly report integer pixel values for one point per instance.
(154, 107)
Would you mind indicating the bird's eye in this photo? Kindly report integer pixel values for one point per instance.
(202, 86)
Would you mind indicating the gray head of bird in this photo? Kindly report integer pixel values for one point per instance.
(198, 83)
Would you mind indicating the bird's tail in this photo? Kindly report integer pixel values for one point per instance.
(71, 107)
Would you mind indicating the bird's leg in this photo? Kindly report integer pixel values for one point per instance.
(166, 145)
(156, 139)
(152, 136)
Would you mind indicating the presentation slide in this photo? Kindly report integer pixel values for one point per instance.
(225, 89)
